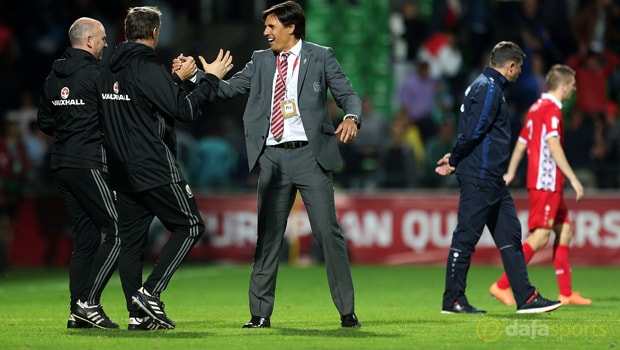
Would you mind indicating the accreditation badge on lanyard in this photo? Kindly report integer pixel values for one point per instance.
(288, 106)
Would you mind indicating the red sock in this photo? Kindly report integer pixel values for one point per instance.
(562, 269)
(528, 253)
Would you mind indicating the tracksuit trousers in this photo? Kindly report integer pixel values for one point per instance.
(175, 206)
(92, 210)
(485, 202)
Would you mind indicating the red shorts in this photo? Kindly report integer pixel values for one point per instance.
(547, 209)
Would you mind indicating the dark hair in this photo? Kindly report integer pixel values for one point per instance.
(504, 52)
(141, 21)
(289, 12)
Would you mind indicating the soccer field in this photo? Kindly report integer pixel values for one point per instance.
(399, 308)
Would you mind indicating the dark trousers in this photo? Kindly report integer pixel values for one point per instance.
(92, 210)
(485, 203)
(175, 206)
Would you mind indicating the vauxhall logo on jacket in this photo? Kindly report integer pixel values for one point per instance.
(115, 96)
(66, 101)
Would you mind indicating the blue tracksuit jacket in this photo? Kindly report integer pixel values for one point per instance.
(483, 145)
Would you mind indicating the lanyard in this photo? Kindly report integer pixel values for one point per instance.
(285, 79)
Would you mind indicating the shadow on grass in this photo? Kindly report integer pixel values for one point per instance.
(174, 334)
(337, 333)
(551, 316)
(369, 329)
(366, 331)
(610, 298)
(123, 333)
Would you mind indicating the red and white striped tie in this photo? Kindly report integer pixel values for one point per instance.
(277, 120)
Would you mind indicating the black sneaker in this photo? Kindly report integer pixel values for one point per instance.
(462, 309)
(72, 322)
(92, 314)
(143, 324)
(153, 307)
(349, 321)
(537, 304)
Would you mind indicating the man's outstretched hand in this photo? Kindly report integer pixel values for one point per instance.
(221, 65)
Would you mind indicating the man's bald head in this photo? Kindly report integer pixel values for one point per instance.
(88, 34)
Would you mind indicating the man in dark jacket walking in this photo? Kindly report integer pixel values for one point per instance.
(141, 102)
(68, 111)
(480, 159)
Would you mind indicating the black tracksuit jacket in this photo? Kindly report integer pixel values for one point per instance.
(140, 103)
(68, 112)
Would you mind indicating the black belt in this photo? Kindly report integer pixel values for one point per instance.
(291, 144)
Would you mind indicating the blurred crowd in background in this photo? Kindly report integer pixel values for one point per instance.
(433, 49)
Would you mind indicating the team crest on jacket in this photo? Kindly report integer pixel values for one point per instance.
(316, 86)
(65, 100)
(190, 194)
(115, 96)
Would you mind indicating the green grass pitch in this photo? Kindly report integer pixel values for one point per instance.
(399, 308)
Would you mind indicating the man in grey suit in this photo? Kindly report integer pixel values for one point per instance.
(299, 153)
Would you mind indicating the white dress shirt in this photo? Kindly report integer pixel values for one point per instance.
(293, 128)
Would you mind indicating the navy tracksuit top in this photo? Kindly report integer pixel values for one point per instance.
(483, 145)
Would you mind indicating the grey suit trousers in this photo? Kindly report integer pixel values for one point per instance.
(283, 172)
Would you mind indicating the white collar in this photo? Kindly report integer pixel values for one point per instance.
(296, 49)
(552, 98)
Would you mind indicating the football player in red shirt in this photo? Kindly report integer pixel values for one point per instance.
(542, 137)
